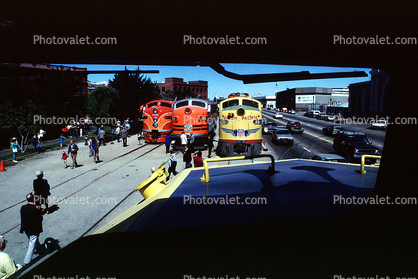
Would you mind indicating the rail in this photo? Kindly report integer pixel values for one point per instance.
(205, 177)
(363, 162)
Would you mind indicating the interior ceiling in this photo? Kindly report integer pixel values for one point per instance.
(297, 33)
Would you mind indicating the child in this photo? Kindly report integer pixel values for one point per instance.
(14, 146)
(62, 140)
(64, 158)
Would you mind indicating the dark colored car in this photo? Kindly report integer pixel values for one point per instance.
(352, 145)
(332, 130)
(294, 127)
(269, 127)
(282, 136)
(329, 158)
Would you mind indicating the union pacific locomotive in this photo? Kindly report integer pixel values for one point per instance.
(194, 115)
(240, 126)
(157, 120)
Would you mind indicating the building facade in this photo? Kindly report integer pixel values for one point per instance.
(313, 98)
(28, 72)
(198, 87)
(370, 98)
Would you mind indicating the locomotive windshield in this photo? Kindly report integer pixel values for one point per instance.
(153, 104)
(230, 103)
(163, 104)
(250, 103)
(198, 104)
(182, 104)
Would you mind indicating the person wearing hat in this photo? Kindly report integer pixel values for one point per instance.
(31, 224)
(41, 189)
(7, 264)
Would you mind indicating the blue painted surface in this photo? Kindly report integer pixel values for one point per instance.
(299, 189)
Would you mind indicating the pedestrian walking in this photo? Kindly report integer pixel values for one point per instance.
(117, 132)
(191, 142)
(210, 144)
(124, 135)
(41, 135)
(187, 157)
(62, 138)
(31, 224)
(167, 143)
(72, 150)
(101, 136)
(41, 189)
(14, 146)
(94, 149)
(64, 158)
(7, 264)
(172, 164)
(183, 142)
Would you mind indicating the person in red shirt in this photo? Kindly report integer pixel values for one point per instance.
(64, 158)
(197, 159)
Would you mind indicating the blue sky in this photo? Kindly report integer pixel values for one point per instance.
(223, 85)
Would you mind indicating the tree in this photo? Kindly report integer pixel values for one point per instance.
(134, 90)
(103, 102)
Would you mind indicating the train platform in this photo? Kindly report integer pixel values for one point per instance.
(82, 199)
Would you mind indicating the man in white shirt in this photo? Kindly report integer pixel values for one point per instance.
(183, 142)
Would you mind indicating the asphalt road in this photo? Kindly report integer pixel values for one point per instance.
(312, 141)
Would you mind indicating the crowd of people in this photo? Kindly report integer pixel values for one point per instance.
(33, 212)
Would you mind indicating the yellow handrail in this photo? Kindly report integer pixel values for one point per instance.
(205, 177)
(363, 162)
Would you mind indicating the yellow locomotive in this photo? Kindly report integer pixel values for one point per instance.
(240, 126)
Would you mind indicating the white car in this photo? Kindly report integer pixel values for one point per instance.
(380, 124)
(278, 115)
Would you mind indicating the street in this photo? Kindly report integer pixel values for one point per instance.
(312, 141)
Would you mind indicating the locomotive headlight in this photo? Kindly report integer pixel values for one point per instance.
(154, 110)
(174, 118)
(155, 125)
(223, 122)
(187, 111)
(257, 122)
(240, 112)
(203, 118)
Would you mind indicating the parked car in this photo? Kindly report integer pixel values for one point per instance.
(294, 127)
(292, 111)
(380, 124)
(282, 136)
(332, 130)
(278, 115)
(329, 158)
(269, 127)
(352, 145)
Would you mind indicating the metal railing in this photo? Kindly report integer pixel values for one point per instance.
(363, 162)
(205, 177)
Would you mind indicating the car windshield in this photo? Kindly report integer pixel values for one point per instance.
(358, 139)
(283, 132)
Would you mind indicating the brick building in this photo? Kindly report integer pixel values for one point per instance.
(199, 87)
(28, 72)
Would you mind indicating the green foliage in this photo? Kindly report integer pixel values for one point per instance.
(134, 90)
(103, 102)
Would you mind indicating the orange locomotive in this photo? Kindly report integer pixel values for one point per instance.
(157, 120)
(194, 115)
